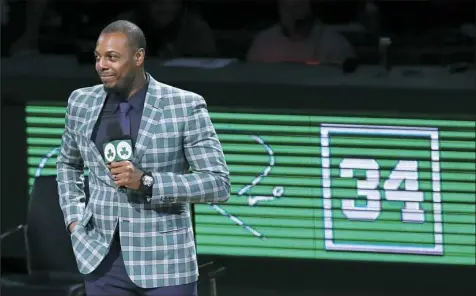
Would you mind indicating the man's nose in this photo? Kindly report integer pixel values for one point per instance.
(102, 63)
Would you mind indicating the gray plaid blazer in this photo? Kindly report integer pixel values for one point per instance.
(178, 143)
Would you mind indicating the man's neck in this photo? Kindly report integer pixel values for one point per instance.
(301, 30)
(137, 84)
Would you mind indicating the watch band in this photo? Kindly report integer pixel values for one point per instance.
(146, 184)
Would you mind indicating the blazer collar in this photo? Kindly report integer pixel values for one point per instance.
(151, 115)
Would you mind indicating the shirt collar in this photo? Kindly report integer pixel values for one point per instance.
(137, 100)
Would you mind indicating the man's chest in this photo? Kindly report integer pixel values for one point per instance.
(158, 140)
(293, 51)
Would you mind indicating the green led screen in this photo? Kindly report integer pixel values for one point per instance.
(328, 187)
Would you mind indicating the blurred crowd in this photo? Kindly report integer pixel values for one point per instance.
(303, 31)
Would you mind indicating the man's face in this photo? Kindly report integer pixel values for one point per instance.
(115, 61)
(293, 10)
(164, 12)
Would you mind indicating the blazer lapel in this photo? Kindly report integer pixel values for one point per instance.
(150, 119)
(92, 116)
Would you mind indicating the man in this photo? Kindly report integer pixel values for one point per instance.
(174, 30)
(299, 37)
(134, 236)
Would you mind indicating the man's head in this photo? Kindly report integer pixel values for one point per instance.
(294, 14)
(120, 53)
(164, 12)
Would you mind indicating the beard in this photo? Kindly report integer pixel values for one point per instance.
(122, 87)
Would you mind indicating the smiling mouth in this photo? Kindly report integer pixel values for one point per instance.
(107, 78)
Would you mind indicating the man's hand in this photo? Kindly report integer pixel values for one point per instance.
(71, 227)
(125, 174)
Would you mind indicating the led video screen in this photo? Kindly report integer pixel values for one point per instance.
(327, 187)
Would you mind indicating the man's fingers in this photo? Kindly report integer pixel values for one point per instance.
(118, 164)
(122, 179)
(119, 170)
(120, 167)
(123, 173)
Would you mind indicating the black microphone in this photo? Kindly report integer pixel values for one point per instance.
(118, 147)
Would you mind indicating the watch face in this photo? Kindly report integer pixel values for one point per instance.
(147, 181)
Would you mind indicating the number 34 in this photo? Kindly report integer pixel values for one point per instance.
(405, 171)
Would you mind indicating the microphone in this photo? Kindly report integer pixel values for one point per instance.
(119, 146)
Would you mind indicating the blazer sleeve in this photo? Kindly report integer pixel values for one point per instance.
(70, 171)
(209, 178)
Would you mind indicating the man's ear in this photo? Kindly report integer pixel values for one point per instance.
(139, 57)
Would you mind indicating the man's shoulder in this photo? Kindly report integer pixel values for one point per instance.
(177, 95)
(85, 93)
(269, 33)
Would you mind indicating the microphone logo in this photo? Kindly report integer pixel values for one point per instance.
(124, 150)
(118, 150)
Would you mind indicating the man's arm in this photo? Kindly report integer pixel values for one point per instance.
(209, 180)
(70, 173)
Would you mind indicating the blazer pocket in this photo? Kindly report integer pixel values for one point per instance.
(173, 230)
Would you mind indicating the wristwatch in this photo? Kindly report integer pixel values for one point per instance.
(146, 183)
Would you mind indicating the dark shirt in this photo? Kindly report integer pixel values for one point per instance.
(110, 115)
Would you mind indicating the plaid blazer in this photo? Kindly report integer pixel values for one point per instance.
(178, 144)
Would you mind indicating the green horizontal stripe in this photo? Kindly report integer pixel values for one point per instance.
(207, 246)
(49, 142)
(305, 181)
(287, 139)
(229, 127)
(45, 120)
(281, 235)
(45, 110)
(401, 153)
(302, 236)
(247, 117)
(347, 236)
(318, 225)
(202, 248)
(254, 170)
(306, 130)
(244, 239)
(233, 158)
(314, 141)
(295, 205)
(39, 151)
(282, 150)
(266, 212)
(337, 119)
(337, 193)
(35, 161)
(248, 240)
(44, 172)
(44, 131)
(317, 217)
